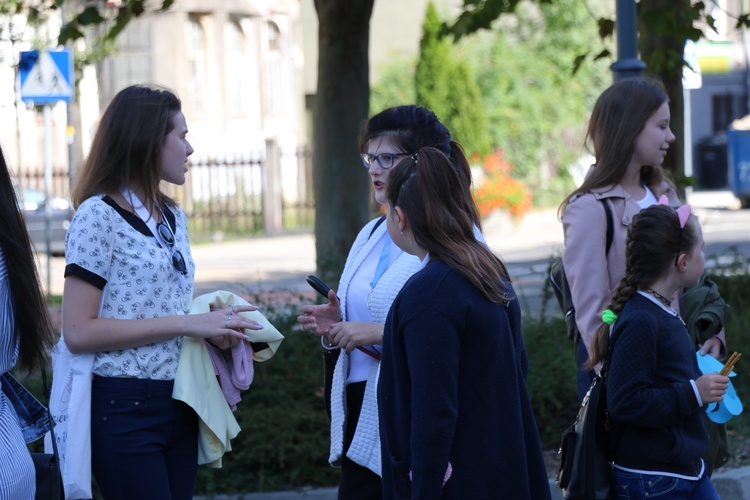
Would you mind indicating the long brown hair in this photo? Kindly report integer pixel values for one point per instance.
(618, 117)
(32, 327)
(411, 128)
(655, 240)
(128, 145)
(426, 186)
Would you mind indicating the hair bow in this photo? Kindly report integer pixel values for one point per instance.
(683, 212)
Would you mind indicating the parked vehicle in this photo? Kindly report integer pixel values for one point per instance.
(34, 209)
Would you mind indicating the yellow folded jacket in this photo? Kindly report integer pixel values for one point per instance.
(196, 383)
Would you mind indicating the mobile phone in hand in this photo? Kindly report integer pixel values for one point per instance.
(318, 285)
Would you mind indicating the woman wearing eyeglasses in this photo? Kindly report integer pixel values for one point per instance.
(375, 271)
(128, 288)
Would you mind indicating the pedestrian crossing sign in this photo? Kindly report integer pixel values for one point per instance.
(46, 76)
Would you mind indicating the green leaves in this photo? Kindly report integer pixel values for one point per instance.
(114, 20)
(480, 14)
(90, 15)
(606, 27)
(446, 85)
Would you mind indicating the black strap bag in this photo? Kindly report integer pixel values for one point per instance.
(586, 452)
(585, 470)
(559, 282)
(49, 484)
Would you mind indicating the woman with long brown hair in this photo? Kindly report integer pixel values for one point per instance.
(128, 289)
(629, 135)
(375, 270)
(455, 416)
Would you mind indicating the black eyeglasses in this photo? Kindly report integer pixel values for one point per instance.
(166, 233)
(385, 160)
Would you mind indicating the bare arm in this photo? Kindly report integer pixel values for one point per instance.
(85, 332)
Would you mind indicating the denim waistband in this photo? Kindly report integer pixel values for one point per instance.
(151, 385)
(32, 415)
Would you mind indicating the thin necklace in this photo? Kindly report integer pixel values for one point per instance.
(659, 296)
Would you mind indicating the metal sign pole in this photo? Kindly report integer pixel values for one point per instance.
(48, 192)
(47, 77)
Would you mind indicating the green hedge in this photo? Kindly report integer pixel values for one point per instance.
(285, 432)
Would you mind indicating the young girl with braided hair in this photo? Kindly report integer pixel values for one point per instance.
(655, 391)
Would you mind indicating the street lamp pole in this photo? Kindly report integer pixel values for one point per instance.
(626, 28)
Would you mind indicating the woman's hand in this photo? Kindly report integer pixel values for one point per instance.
(86, 332)
(224, 341)
(319, 319)
(222, 327)
(712, 346)
(712, 387)
(352, 334)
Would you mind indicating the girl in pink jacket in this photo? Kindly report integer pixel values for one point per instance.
(629, 135)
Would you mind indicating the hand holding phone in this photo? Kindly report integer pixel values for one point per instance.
(318, 285)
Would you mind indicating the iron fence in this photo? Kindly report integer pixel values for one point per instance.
(35, 180)
(260, 193)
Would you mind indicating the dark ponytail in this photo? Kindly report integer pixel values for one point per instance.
(427, 188)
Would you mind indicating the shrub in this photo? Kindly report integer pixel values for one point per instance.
(552, 377)
(499, 191)
(733, 280)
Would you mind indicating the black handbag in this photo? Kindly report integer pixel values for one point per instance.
(586, 450)
(585, 467)
(49, 484)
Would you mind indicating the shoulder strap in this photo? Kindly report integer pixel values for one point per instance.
(382, 219)
(49, 415)
(610, 228)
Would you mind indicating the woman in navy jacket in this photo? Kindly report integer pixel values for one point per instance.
(455, 415)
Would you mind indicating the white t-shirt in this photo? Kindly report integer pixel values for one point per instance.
(115, 251)
(648, 200)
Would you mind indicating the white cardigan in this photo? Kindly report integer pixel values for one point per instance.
(365, 447)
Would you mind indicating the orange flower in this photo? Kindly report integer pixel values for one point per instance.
(499, 190)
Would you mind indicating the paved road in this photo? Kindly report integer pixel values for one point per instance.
(282, 262)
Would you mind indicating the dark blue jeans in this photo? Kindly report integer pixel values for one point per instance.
(144, 444)
(629, 485)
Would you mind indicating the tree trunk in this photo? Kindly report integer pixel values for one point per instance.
(342, 187)
(662, 49)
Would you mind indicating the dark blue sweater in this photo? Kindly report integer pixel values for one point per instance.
(452, 389)
(658, 425)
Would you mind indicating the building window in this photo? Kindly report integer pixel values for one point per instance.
(274, 77)
(130, 64)
(727, 108)
(274, 36)
(236, 65)
(196, 59)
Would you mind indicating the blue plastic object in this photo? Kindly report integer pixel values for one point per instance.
(722, 412)
(738, 152)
